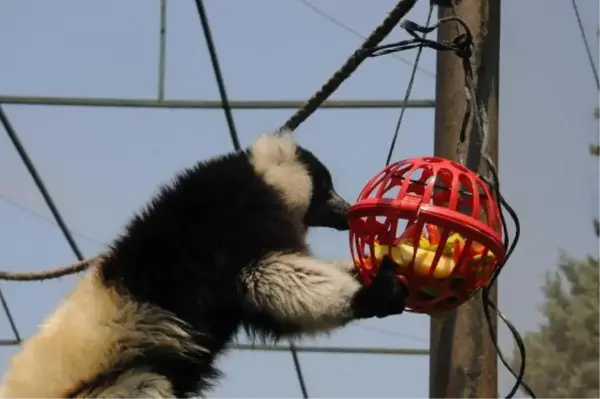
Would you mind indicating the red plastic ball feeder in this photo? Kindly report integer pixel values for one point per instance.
(440, 224)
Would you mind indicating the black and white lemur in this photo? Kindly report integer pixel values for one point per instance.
(222, 247)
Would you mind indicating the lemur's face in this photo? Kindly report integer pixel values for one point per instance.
(302, 181)
(326, 207)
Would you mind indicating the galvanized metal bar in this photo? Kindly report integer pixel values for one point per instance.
(162, 50)
(337, 349)
(308, 349)
(204, 104)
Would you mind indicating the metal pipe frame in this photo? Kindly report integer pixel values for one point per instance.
(359, 350)
(204, 104)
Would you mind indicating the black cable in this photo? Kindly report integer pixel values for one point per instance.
(586, 43)
(408, 90)
(462, 46)
(509, 247)
(11, 320)
(236, 143)
(299, 371)
(218, 76)
(12, 134)
(481, 121)
(464, 50)
(488, 303)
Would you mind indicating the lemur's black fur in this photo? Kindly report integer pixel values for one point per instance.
(202, 255)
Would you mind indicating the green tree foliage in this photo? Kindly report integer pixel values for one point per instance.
(563, 355)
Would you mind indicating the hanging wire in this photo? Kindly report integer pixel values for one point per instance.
(482, 127)
(462, 46)
(408, 89)
(236, 145)
(480, 116)
(214, 59)
(586, 43)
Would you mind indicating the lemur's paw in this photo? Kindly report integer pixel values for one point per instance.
(384, 296)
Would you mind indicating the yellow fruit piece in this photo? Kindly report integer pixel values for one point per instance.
(425, 244)
(402, 255)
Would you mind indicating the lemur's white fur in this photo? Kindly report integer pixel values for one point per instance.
(275, 158)
(133, 384)
(303, 290)
(92, 329)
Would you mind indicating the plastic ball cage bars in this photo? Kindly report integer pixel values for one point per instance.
(440, 224)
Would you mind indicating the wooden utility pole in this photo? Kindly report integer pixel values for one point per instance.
(463, 361)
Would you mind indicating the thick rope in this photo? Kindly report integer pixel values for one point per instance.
(388, 24)
(49, 273)
(380, 33)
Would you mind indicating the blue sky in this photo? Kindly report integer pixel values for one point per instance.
(102, 164)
